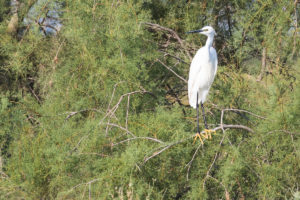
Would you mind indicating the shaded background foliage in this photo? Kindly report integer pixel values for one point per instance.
(94, 111)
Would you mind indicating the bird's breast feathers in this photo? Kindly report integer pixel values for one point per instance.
(203, 68)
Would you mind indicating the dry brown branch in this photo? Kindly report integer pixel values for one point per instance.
(235, 127)
(109, 104)
(116, 106)
(92, 181)
(55, 59)
(157, 153)
(263, 64)
(122, 128)
(225, 126)
(227, 196)
(296, 27)
(177, 58)
(191, 161)
(127, 112)
(240, 190)
(96, 154)
(174, 34)
(214, 161)
(78, 143)
(72, 113)
(245, 111)
(35, 95)
(136, 138)
(133, 136)
(169, 68)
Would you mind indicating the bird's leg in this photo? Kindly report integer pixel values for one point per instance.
(198, 130)
(197, 107)
(207, 131)
(203, 114)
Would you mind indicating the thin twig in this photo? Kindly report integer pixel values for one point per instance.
(245, 111)
(127, 111)
(116, 106)
(89, 191)
(225, 126)
(235, 127)
(177, 58)
(191, 161)
(108, 107)
(55, 59)
(226, 192)
(135, 138)
(122, 128)
(92, 181)
(157, 153)
(72, 113)
(97, 154)
(169, 68)
(175, 35)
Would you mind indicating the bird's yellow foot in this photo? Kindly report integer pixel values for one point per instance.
(208, 132)
(205, 135)
(198, 136)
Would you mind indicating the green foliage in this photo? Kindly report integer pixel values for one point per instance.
(92, 112)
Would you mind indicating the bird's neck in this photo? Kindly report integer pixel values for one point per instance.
(209, 41)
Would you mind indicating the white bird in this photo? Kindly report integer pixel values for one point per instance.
(202, 73)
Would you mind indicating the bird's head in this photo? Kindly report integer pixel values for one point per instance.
(206, 30)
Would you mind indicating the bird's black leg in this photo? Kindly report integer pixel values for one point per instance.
(197, 106)
(203, 114)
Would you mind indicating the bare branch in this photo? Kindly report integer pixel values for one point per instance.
(235, 126)
(108, 107)
(72, 113)
(92, 181)
(127, 111)
(209, 169)
(135, 138)
(245, 111)
(296, 27)
(96, 154)
(122, 128)
(175, 35)
(263, 64)
(172, 71)
(55, 59)
(225, 126)
(227, 196)
(177, 58)
(116, 106)
(191, 161)
(157, 153)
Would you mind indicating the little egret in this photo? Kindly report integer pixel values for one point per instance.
(202, 73)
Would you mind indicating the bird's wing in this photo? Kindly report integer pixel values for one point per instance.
(215, 59)
(195, 69)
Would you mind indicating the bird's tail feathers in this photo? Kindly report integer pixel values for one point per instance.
(193, 98)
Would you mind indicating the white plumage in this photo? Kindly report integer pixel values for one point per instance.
(203, 68)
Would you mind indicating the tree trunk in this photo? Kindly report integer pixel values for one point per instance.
(263, 64)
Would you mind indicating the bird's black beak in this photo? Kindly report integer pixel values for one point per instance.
(195, 31)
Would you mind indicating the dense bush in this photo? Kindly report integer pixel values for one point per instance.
(94, 112)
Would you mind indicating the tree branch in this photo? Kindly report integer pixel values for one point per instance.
(225, 126)
(175, 35)
(172, 71)
(177, 58)
(136, 138)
